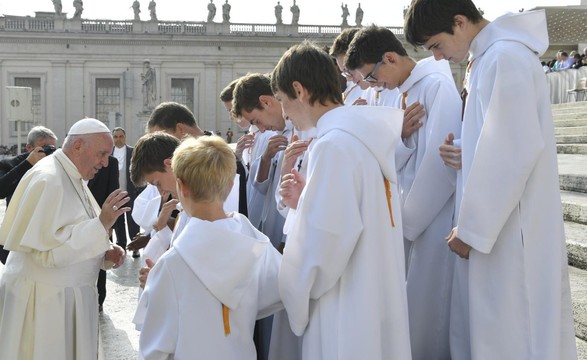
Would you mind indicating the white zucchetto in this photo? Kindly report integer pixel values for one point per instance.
(88, 126)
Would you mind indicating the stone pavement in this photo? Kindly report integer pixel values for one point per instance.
(119, 340)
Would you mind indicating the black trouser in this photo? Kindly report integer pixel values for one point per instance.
(101, 284)
(120, 229)
(3, 254)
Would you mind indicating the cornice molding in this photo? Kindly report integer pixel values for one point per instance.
(252, 42)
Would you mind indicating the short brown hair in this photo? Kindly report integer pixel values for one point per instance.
(313, 68)
(247, 91)
(426, 18)
(342, 41)
(206, 166)
(149, 155)
(369, 45)
(226, 93)
(167, 115)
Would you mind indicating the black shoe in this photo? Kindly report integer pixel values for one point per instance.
(100, 308)
(136, 254)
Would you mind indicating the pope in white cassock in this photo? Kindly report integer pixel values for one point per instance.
(342, 278)
(510, 222)
(58, 238)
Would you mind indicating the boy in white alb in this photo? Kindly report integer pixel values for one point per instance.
(203, 296)
(426, 185)
(515, 303)
(341, 244)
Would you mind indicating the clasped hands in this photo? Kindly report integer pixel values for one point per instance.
(457, 245)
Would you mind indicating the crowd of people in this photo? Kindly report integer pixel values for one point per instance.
(390, 218)
(565, 61)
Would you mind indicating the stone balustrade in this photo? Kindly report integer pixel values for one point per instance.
(60, 24)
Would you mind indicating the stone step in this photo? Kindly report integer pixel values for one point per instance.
(576, 106)
(571, 139)
(572, 170)
(573, 182)
(581, 349)
(576, 238)
(574, 116)
(566, 122)
(569, 105)
(572, 149)
(574, 206)
(571, 130)
(578, 280)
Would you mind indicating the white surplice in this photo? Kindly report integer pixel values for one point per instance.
(427, 190)
(519, 298)
(225, 262)
(342, 278)
(48, 294)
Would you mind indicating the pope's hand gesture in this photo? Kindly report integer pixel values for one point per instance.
(113, 208)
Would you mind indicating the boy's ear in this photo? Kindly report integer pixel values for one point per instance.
(460, 21)
(182, 189)
(265, 100)
(390, 57)
(179, 129)
(167, 164)
(300, 90)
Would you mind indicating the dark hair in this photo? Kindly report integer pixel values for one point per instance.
(149, 154)
(247, 91)
(167, 115)
(369, 45)
(342, 41)
(426, 18)
(118, 128)
(226, 93)
(313, 68)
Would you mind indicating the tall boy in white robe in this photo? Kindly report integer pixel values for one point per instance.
(203, 296)
(510, 223)
(249, 149)
(254, 102)
(426, 185)
(342, 278)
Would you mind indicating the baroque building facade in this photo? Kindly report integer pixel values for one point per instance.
(95, 68)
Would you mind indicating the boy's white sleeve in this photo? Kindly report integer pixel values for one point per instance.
(158, 339)
(269, 300)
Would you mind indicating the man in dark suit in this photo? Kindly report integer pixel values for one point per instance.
(13, 169)
(101, 185)
(123, 153)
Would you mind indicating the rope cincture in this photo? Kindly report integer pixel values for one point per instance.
(388, 196)
(225, 319)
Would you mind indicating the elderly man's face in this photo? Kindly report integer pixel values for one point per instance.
(93, 154)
